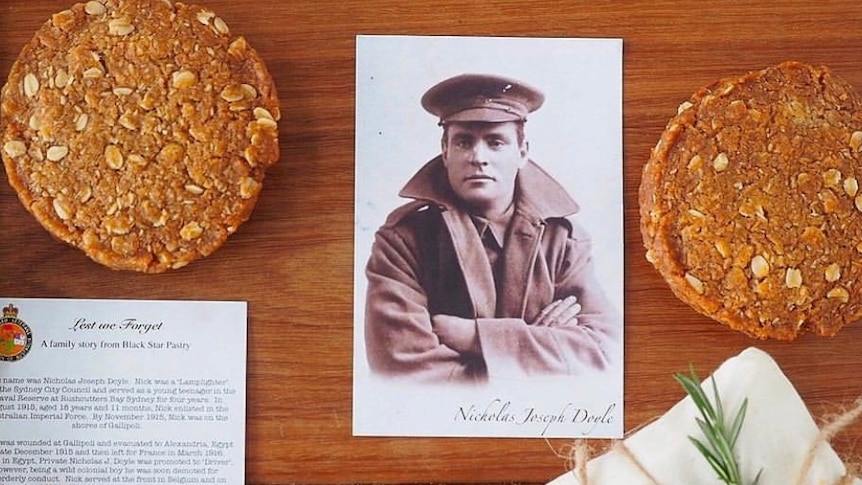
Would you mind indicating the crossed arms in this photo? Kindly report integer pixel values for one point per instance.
(571, 334)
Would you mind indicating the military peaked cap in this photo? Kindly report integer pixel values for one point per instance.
(482, 97)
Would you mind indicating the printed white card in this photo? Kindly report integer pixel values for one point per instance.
(122, 391)
(433, 156)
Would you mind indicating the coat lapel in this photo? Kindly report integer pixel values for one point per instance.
(518, 262)
(473, 261)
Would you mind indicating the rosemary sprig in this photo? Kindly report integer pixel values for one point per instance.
(720, 437)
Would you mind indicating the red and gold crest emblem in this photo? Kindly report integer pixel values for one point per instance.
(15, 336)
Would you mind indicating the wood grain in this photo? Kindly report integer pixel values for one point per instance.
(293, 260)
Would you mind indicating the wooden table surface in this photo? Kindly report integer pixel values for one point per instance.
(293, 260)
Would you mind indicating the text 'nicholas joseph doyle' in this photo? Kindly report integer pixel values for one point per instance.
(499, 411)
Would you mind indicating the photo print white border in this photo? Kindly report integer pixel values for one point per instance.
(576, 137)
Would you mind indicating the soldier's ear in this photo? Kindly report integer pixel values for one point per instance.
(525, 153)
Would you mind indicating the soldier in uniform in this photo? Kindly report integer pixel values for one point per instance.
(484, 274)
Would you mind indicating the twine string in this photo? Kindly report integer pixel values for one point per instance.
(847, 479)
(580, 453)
(626, 452)
(827, 432)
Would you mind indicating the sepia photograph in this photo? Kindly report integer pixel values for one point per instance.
(488, 242)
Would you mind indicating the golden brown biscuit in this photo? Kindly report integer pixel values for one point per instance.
(138, 131)
(750, 204)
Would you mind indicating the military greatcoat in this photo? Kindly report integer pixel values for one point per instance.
(428, 259)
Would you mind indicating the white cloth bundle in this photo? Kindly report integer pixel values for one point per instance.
(778, 436)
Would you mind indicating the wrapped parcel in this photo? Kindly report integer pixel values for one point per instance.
(779, 437)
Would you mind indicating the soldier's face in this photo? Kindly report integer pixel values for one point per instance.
(482, 161)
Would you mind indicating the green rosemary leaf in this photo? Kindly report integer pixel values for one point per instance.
(691, 385)
(736, 427)
(720, 436)
(719, 409)
(719, 441)
(713, 460)
(705, 450)
(720, 452)
(757, 478)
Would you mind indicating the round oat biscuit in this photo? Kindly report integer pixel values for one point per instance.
(750, 203)
(138, 131)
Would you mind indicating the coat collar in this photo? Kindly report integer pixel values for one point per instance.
(537, 190)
